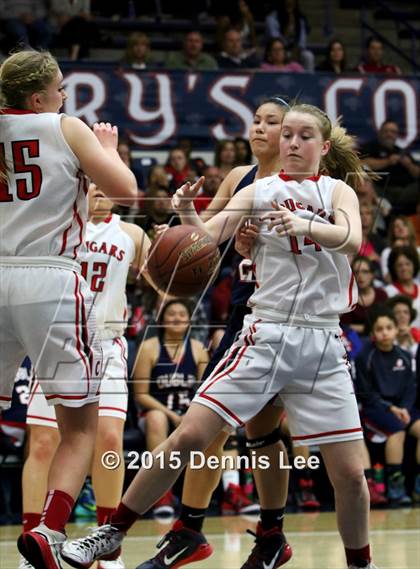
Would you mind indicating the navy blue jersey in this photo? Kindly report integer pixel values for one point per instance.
(241, 291)
(173, 383)
(13, 420)
(385, 378)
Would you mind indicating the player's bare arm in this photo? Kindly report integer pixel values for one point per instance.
(201, 357)
(225, 192)
(224, 224)
(99, 159)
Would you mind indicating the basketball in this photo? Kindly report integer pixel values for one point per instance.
(183, 260)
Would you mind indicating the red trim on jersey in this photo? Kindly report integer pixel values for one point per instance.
(120, 343)
(87, 349)
(78, 340)
(108, 219)
(327, 433)
(70, 397)
(33, 390)
(113, 409)
(403, 291)
(351, 289)
(80, 222)
(65, 232)
(225, 409)
(14, 424)
(42, 418)
(11, 111)
(286, 178)
(4, 398)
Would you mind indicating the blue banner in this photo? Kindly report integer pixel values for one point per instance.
(154, 109)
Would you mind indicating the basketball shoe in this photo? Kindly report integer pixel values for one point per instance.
(41, 547)
(370, 566)
(396, 490)
(24, 564)
(103, 543)
(112, 564)
(416, 491)
(305, 497)
(376, 498)
(271, 549)
(178, 547)
(165, 506)
(235, 501)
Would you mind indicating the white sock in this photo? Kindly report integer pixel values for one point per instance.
(230, 477)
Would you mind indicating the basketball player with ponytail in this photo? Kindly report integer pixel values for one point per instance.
(45, 305)
(290, 344)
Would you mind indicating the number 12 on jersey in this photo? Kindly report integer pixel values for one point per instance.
(94, 274)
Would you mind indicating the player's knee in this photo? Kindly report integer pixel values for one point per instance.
(43, 444)
(156, 421)
(110, 439)
(189, 438)
(349, 479)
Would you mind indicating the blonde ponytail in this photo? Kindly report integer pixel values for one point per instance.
(342, 160)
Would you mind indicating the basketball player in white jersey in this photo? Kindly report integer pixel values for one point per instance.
(290, 343)
(111, 248)
(45, 304)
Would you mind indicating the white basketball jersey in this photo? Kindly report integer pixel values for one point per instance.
(43, 206)
(105, 264)
(294, 274)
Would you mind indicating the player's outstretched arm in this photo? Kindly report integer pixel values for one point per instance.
(99, 159)
(226, 222)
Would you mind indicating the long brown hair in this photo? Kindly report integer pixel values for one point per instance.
(342, 160)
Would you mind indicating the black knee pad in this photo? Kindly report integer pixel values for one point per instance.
(231, 443)
(265, 440)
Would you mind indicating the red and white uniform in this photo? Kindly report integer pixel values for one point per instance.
(105, 264)
(46, 307)
(290, 345)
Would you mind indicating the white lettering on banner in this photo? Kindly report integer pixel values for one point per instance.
(231, 104)
(163, 113)
(409, 108)
(332, 94)
(87, 111)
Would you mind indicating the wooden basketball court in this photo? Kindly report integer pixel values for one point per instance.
(314, 538)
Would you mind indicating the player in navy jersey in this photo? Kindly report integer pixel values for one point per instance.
(290, 345)
(167, 369)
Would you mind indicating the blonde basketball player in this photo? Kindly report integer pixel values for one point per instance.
(290, 343)
(45, 304)
(111, 248)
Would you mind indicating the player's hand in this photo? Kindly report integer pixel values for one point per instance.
(106, 134)
(183, 197)
(160, 229)
(285, 222)
(245, 237)
(402, 414)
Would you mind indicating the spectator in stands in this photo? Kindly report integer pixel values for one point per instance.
(239, 16)
(408, 336)
(372, 243)
(178, 168)
(191, 57)
(373, 62)
(369, 296)
(401, 184)
(403, 266)
(212, 181)
(157, 179)
(387, 389)
(138, 54)
(335, 58)
(25, 24)
(276, 58)
(225, 156)
(124, 151)
(167, 370)
(243, 152)
(366, 193)
(288, 23)
(73, 26)
(233, 55)
(400, 232)
(197, 163)
(157, 210)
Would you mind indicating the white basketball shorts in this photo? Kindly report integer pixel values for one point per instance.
(46, 312)
(113, 396)
(303, 368)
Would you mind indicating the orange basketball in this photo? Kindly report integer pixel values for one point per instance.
(183, 260)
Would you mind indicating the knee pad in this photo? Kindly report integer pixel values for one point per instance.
(265, 440)
(231, 443)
